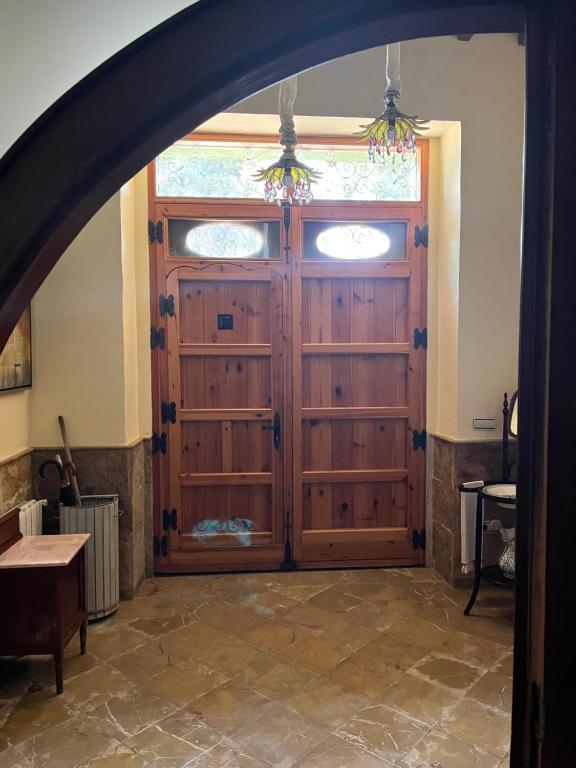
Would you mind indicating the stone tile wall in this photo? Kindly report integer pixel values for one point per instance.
(453, 463)
(15, 482)
(127, 472)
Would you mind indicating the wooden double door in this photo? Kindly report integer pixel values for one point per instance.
(289, 385)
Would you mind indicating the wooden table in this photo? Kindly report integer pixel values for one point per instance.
(42, 596)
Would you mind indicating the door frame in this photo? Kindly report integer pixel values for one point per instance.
(227, 208)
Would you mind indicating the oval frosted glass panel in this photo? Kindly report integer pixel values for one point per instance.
(354, 241)
(201, 239)
(227, 170)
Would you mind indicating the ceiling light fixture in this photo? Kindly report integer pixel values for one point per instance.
(287, 180)
(393, 133)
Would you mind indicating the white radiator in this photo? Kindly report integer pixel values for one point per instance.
(97, 516)
(31, 517)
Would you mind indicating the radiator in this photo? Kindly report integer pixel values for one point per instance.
(97, 516)
(31, 517)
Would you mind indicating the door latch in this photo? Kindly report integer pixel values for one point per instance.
(276, 430)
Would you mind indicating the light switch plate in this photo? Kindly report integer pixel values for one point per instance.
(484, 423)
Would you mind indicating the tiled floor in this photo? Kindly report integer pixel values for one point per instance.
(346, 669)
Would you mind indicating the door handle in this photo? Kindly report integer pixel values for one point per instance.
(276, 430)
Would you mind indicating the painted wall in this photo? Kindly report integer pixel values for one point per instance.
(480, 84)
(443, 79)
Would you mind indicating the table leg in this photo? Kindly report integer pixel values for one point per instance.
(83, 637)
(477, 554)
(58, 671)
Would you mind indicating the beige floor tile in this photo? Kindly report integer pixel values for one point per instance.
(445, 751)
(114, 641)
(335, 598)
(74, 741)
(92, 689)
(272, 636)
(147, 608)
(228, 707)
(280, 736)
(344, 632)
(191, 728)
(231, 656)
(480, 652)
(309, 617)
(417, 698)
(147, 661)
(387, 651)
(13, 758)
(384, 732)
(163, 750)
(494, 689)
(228, 754)
(135, 710)
(420, 632)
(312, 653)
(121, 758)
(229, 618)
(451, 673)
(377, 617)
(506, 665)
(337, 753)
(184, 682)
(190, 640)
(34, 717)
(477, 724)
(328, 702)
(160, 626)
(275, 679)
(354, 675)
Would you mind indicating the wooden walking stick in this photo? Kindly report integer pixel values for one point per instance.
(73, 481)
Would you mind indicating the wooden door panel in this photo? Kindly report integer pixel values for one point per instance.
(354, 381)
(358, 395)
(225, 382)
(225, 446)
(343, 444)
(354, 505)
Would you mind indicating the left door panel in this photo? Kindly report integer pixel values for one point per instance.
(224, 405)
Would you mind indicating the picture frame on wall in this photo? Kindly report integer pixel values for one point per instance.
(16, 357)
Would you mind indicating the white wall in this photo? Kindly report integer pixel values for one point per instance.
(481, 85)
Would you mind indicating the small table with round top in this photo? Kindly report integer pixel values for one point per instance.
(503, 494)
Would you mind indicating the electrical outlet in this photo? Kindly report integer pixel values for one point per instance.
(484, 423)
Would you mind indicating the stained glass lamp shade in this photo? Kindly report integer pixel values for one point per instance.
(392, 133)
(287, 180)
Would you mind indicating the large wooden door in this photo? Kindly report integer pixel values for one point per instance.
(289, 387)
(358, 383)
(224, 415)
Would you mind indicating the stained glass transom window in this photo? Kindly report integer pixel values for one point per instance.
(226, 170)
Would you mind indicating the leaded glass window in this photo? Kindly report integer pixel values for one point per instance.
(226, 170)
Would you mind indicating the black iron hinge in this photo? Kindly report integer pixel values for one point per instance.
(166, 305)
(419, 539)
(157, 338)
(420, 338)
(168, 411)
(160, 546)
(170, 519)
(421, 236)
(418, 439)
(155, 232)
(159, 443)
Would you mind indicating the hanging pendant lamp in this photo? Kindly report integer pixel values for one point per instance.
(287, 180)
(393, 133)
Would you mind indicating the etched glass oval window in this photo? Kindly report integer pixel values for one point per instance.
(353, 242)
(224, 240)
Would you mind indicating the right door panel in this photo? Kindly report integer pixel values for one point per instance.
(358, 385)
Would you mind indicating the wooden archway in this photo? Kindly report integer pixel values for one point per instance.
(76, 155)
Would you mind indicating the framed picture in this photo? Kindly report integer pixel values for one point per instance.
(16, 357)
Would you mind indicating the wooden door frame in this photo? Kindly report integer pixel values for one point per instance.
(69, 170)
(369, 211)
(229, 207)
